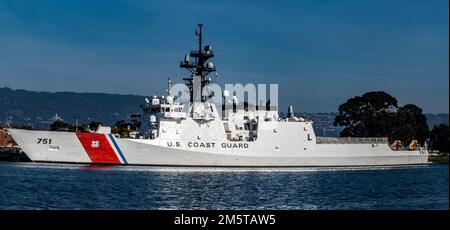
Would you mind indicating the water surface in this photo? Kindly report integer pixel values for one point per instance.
(69, 187)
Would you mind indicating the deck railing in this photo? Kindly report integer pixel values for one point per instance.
(351, 140)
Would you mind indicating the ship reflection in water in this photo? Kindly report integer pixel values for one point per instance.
(60, 186)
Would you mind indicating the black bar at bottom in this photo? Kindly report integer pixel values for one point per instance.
(226, 218)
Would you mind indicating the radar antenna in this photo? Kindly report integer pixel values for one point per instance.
(200, 67)
(169, 87)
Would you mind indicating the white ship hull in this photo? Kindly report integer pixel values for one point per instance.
(194, 133)
(94, 148)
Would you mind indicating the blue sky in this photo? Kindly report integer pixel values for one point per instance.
(320, 52)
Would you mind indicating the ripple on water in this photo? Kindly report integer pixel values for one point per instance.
(61, 186)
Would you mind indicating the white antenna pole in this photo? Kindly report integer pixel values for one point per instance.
(157, 81)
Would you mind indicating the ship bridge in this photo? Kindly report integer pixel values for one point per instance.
(240, 122)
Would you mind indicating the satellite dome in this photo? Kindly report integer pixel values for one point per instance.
(276, 116)
(169, 99)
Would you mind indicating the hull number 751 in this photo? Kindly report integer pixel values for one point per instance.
(44, 141)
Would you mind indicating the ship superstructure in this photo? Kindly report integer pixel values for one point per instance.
(197, 132)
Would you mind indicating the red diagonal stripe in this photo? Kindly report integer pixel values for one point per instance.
(104, 153)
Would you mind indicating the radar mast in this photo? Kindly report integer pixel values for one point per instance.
(200, 67)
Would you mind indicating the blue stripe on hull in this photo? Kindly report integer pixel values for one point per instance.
(118, 149)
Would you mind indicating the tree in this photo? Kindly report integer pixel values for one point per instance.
(403, 128)
(421, 128)
(376, 114)
(26, 126)
(122, 128)
(92, 126)
(135, 121)
(367, 115)
(439, 138)
(60, 126)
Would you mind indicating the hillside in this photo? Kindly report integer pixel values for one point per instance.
(36, 108)
(436, 119)
(22, 106)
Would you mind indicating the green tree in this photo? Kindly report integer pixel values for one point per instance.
(135, 121)
(377, 114)
(421, 127)
(403, 128)
(439, 138)
(60, 126)
(367, 115)
(92, 126)
(121, 128)
(26, 126)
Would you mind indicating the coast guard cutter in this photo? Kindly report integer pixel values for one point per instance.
(196, 133)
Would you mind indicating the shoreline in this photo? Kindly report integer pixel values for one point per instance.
(439, 158)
